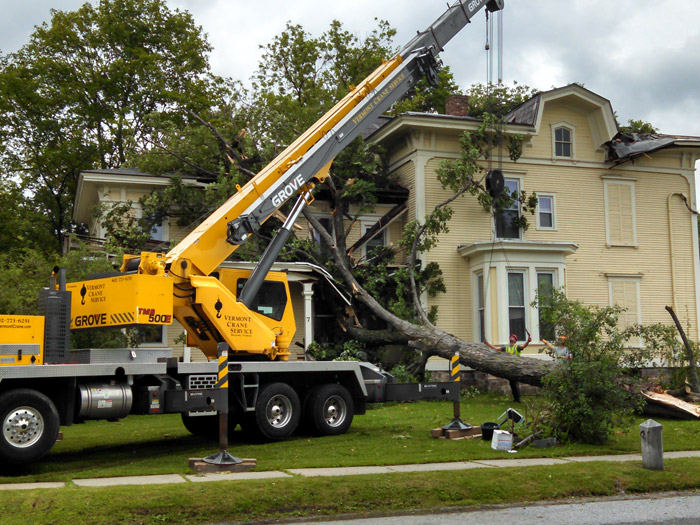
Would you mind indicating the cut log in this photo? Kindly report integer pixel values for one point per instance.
(668, 406)
(681, 393)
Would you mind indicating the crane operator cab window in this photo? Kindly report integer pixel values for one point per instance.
(270, 301)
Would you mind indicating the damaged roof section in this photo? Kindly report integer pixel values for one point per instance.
(629, 146)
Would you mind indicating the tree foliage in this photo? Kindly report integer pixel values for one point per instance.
(639, 127)
(79, 93)
(597, 390)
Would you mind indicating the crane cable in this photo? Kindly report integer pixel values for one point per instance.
(496, 128)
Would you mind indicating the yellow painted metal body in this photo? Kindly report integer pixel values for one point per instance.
(21, 340)
(121, 300)
(261, 332)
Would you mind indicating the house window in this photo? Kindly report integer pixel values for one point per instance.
(507, 226)
(620, 214)
(480, 307)
(624, 292)
(516, 304)
(158, 233)
(545, 212)
(378, 241)
(322, 247)
(545, 289)
(563, 143)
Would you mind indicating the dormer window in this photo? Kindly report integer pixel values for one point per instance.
(563, 141)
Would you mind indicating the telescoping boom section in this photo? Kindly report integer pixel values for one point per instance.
(204, 303)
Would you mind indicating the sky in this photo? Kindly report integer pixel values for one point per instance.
(642, 55)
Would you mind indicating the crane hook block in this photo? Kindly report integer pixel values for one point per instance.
(494, 183)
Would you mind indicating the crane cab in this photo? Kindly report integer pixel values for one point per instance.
(272, 304)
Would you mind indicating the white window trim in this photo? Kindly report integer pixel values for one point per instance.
(521, 181)
(572, 129)
(475, 303)
(606, 183)
(553, 196)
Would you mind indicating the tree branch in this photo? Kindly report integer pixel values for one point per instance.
(181, 159)
(228, 149)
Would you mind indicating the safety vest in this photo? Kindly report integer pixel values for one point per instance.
(513, 350)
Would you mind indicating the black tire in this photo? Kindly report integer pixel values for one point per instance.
(330, 409)
(30, 425)
(208, 426)
(202, 426)
(277, 412)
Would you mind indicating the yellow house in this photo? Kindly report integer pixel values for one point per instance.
(611, 226)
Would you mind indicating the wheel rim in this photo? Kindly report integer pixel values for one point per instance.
(335, 410)
(23, 427)
(279, 411)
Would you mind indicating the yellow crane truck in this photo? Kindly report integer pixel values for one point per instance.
(248, 315)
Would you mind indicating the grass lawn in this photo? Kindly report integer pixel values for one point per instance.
(387, 434)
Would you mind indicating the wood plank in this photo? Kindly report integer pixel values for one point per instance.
(673, 406)
(198, 465)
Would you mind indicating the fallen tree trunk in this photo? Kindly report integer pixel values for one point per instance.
(680, 393)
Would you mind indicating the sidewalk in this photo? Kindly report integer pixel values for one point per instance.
(166, 479)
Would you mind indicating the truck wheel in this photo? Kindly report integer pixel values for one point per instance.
(330, 409)
(277, 412)
(208, 426)
(202, 426)
(29, 425)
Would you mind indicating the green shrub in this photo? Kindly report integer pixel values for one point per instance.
(596, 390)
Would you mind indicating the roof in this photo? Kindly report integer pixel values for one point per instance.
(135, 172)
(628, 146)
(89, 182)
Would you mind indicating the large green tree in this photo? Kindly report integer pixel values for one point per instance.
(79, 94)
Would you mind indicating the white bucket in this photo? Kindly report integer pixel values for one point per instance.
(502, 440)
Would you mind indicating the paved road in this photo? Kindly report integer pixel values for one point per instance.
(676, 509)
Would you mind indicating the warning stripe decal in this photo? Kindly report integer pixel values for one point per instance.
(223, 372)
(122, 318)
(454, 368)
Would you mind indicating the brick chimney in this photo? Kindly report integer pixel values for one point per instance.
(457, 105)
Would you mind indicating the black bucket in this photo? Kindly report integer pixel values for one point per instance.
(487, 430)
